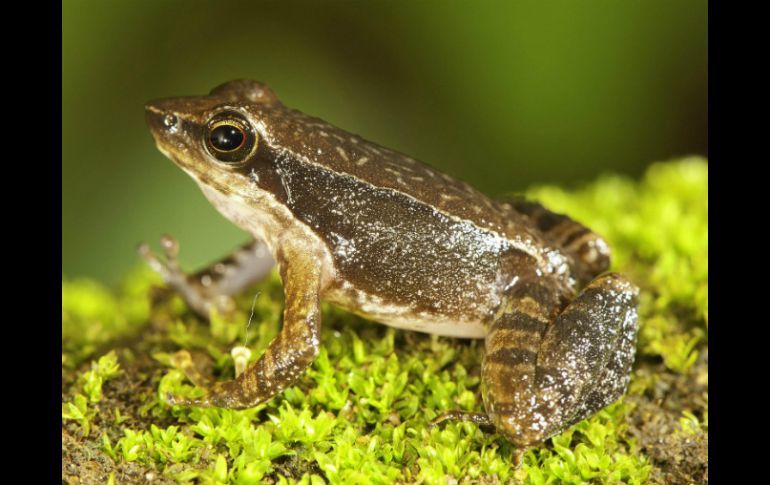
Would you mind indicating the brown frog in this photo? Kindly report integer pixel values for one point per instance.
(390, 238)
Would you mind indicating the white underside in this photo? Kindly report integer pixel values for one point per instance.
(436, 326)
(403, 316)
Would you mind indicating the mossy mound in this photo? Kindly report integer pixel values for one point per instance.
(361, 413)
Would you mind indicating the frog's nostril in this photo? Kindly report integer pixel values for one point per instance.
(171, 122)
(161, 119)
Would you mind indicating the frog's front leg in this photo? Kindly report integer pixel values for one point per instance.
(214, 285)
(540, 376)
(291, 351)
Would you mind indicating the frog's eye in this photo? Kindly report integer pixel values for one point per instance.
(230, 138)
(227, 137)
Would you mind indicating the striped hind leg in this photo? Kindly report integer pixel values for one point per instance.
(540, 377)
(511, 347)
(589, 252)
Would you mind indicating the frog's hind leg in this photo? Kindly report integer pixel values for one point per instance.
(214, 285)
(512, 345)
(589, 252)
(539, 377)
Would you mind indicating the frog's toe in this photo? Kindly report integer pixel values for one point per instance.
(183, 361)
(456, 415)
(169, 268)
(151, 258)
(198, 296)
(170, 246)
(214, 286)
(224, 394)
(177, 400)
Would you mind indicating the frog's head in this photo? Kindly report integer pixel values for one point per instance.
(211, 137)
(221, 141)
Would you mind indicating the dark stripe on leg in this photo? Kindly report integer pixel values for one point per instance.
(522, 322)
(512, 357)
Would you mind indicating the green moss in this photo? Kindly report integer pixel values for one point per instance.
(92, 316)
(89, 391)
(360, 414)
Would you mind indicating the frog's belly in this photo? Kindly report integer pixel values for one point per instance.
(404, 316)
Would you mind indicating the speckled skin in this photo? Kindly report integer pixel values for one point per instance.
(385, 236)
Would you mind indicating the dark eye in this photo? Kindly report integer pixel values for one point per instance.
(226, 138)
(230, 138)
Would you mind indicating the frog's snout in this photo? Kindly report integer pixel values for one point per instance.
(160, 120)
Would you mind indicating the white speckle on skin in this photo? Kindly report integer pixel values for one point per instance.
(511, 284)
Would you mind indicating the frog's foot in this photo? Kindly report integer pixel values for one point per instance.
(542, 377)
(214, 286)
(479, 418)
(183, 361)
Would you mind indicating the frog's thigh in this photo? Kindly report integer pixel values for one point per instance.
(581, 363)
(213, 285)
(291, 351)
(614, 379)
(591, 344)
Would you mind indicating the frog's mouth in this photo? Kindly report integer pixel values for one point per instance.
(167, 153)
(186, 166)
(178, 161)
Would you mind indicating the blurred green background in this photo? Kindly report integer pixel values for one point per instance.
(500, 94)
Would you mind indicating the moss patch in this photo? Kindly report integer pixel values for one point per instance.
(360, 413)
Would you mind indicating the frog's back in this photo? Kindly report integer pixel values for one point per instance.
(558, 245)
(348, 154)
(410, 244)
(325, 145)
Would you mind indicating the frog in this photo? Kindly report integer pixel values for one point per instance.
(387, 237)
